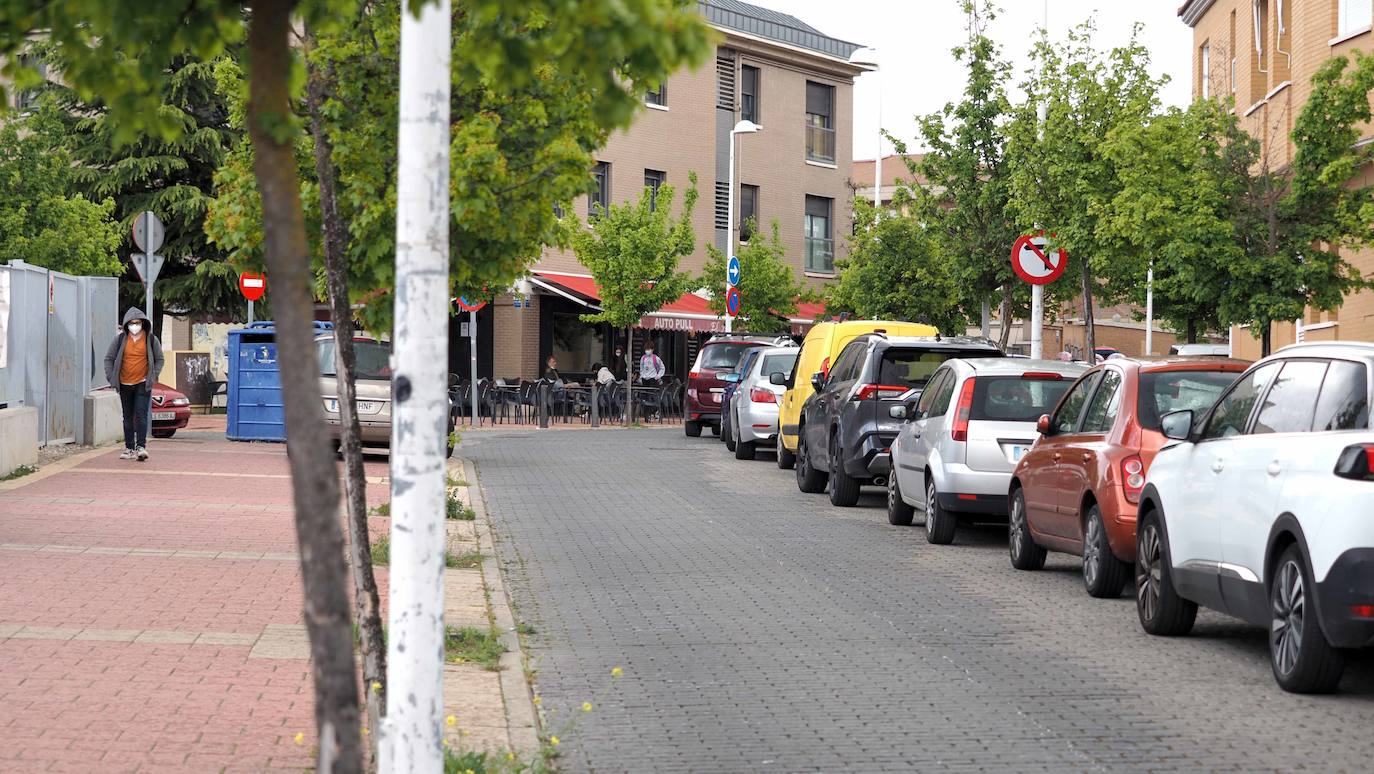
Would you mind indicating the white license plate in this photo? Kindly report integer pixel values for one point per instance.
(1017, 452)
(159, 416)
(369, 407)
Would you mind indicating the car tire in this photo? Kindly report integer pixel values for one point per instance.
(1104, 576)
(164, 433)
(786, 459)
(692, 429)
(842, 487)
(1302, 660)
(730, 443)
(715, 430)
(744, 450)
(809, 479)
(1025, 554)
(900, 513)
(1161, 610)
(940, 523)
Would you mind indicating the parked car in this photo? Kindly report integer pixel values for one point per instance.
(1195, 350)
(819, 349)
(717, 357)
(732, 381)
(1263, 509)
(171, 411)
(372, 391)
(1077, 489)
(752, 412)
(961, 438)
(845, 434)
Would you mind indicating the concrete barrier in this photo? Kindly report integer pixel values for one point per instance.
(104, 419)
(18, 438)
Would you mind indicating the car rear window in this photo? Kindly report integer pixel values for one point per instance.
(914, 367)
(1016, 399)
(1164, 391)
(724, 356)
(781, 363)
(374, 359)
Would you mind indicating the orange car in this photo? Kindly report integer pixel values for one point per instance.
(1077, 489)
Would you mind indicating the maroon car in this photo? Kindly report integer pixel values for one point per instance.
(717, 357)
(171, 411)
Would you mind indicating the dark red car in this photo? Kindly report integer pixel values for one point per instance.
(171, 411)
(1077, 489)
(717, 357)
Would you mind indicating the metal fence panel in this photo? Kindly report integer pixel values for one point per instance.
(65, 377)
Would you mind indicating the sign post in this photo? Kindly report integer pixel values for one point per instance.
(1036, 264)
(732, 275)
(472, 310)
(149, 234)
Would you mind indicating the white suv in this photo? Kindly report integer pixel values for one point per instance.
(1264, 510)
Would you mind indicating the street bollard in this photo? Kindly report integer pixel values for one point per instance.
(596, 406)
(543, 404)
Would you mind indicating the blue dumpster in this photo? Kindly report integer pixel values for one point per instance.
(254, 409)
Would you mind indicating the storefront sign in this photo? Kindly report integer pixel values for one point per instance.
(661, 323)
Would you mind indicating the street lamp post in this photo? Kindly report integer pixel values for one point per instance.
(868, 57)
(743, 127)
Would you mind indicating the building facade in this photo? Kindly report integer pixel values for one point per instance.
(769, 68)
(1263, 54)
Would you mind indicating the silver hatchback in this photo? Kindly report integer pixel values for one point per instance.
(754, 405)
(963, 435)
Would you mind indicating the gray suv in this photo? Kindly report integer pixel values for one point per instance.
(847, 429)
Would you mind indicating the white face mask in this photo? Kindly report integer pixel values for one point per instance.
(135, 328)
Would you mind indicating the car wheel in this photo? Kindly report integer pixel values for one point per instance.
(744, 450)
(899, 512)
(842, 488)
(1103, 574)
(1025, 554)
(1162, 611)
(809, 479)
(692, 429)
(715, 429)
(786, 459)
(940, 523)
(1302, 660)
(164, 433)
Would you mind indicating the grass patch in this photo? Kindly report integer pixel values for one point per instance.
(381, 552)
(467, 560)
(454, 510)
(469, 645)
(19, 472)
(524, 628)
(452, 482)
(382, 511)
(456, 762)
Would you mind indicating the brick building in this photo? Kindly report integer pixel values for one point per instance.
(1264, 53)
(770, 68)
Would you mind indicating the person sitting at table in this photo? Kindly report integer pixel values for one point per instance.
(551, 374)
(651, 368)
(603, 374)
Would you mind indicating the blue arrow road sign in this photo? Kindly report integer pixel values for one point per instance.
(732, 270)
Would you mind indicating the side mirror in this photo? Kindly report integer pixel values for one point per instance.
(817, 381)
(779, 378)
(731, 378)
(1177, 425)
(1042, 425)
(897, 412)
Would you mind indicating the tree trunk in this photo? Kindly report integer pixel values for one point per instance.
(1004, 334)
(1192, 331)
(314, 481)
(366, 600)
(629, 376)
(1089, 330)
(1266, 337)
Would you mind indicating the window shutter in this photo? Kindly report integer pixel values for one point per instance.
(722, 205)
(818, 98)
(725, 80)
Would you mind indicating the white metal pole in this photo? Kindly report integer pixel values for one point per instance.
(1037, 322)
(878, 157)
(250, 312)
(1150, 309)
(729, 232)
(472, 361)
(412, 731)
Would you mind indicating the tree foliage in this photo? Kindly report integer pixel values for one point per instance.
(768, 288)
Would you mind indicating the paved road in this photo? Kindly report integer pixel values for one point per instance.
(760, 629)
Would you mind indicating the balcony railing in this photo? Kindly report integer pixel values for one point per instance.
(820, 255)
(820, 143)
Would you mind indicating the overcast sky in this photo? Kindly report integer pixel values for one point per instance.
(913, 39)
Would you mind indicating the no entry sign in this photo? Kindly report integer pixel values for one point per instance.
(1034, 262)
(252, 286)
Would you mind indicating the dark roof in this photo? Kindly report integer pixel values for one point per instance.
(773, 25)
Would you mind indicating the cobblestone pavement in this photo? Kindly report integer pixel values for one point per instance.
(760, 629)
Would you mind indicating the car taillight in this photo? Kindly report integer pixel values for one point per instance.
(694, 375)
(760, 395)
(961, 414)
(1357, 462)
(1132, 477)
(1362, 611)
(1047, 376)
(879, 391)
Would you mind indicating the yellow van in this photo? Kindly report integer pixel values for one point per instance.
(820, 348)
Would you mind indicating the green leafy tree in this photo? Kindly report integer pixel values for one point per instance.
(1062, 180)
(768, 288)
(41, 220)
(895, 270)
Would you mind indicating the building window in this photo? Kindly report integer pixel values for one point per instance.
(1232, 51)
(820, 122)
(748, 211)
(28, 98)
(657, 96)
(654, 180)
(820, 247)
(600, 199)
(576, 344)
(1353, 16)
(749, 94)
(1205, 70)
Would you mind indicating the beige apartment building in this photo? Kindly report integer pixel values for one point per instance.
(1263, 54)
(770, 68)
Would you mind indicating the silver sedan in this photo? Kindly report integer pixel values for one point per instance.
(754, 406)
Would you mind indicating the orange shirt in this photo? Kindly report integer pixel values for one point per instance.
(134, 368)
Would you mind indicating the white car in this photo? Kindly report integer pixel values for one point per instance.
(1264, 510)
(961, 439)
(753, 409)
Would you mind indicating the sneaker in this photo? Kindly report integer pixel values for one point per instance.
(127, 454)
(142, 454)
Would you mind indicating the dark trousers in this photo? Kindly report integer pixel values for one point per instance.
(135, 400)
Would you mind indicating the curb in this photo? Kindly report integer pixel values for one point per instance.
(62, 465)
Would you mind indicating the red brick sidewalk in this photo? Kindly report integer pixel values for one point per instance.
(150, 612)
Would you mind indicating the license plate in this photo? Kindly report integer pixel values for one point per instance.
(369, 407)
(1017, 452)
(159, 416)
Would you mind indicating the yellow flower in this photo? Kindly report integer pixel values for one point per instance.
(553, 740)
(538, 700)
(510, 756)
(300, 737)
(617, 672)
(376, 686)
(586, 706)
(469, 771)
(446, 743)
(450, 720)
(364, 730)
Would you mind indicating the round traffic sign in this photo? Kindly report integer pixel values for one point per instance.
(732, 270)
(148, 232)
(1033, 262)
(252, 286)
(467, 307)
(732, 301)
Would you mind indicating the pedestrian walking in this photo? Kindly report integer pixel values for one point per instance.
(651, 367)
(132, 364)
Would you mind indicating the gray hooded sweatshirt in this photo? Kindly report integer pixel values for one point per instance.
(115, 355)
